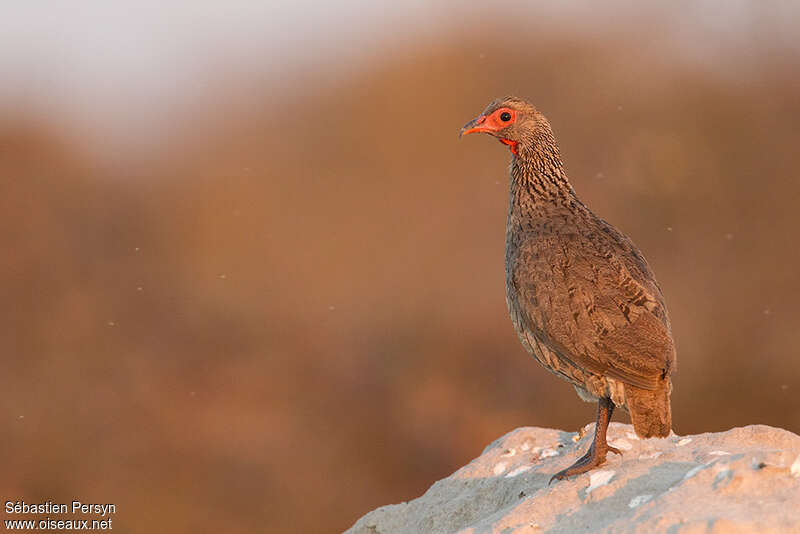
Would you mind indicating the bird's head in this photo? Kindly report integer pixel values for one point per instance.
(513, 121)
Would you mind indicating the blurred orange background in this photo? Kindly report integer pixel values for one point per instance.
(254, 282)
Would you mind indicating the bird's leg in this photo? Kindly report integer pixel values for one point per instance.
(596, 455)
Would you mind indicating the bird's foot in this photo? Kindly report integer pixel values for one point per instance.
(594, 457)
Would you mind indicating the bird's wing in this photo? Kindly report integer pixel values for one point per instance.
(594, 301)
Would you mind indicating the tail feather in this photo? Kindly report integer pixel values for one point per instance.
(650, 410)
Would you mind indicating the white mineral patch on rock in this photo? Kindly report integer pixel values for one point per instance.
(621, 444)
(650, 456)
(547, 453)
(631, 435)
(795, 469)
(639, 500)
(752, 488)
(518, 471)
(598, 479)
(500, 468)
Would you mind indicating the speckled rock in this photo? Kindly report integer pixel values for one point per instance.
(744, 480)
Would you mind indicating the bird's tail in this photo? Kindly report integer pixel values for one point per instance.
(650, 410)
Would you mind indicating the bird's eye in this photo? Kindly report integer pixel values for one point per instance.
(505, 116)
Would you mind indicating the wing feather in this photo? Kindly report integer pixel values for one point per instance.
(594, 301)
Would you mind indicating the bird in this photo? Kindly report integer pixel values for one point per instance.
(582, 298)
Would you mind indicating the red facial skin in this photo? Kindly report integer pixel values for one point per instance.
(511, 144)
(491, 124)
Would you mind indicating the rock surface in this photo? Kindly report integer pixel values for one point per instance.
(745, 480)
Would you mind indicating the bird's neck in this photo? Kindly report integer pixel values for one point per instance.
(537, 174)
